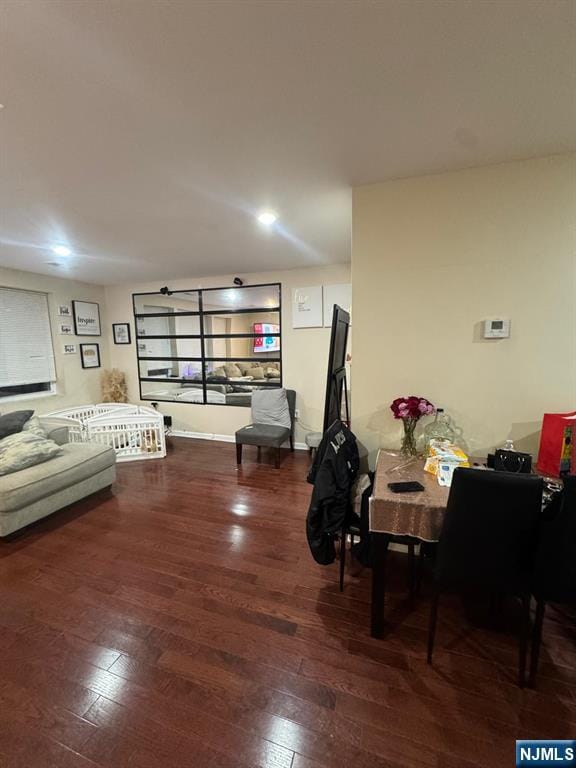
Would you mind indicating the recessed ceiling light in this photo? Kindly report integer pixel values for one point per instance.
(267, 218)
(61, 250)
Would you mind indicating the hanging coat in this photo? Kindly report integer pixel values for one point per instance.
(332, 474)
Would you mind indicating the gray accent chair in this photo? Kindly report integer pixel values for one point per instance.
(268, 435)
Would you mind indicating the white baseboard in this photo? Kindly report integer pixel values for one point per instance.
(218, 438)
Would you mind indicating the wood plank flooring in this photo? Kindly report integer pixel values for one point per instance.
(181, 622)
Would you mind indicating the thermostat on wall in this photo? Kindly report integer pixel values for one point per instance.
(496, 329)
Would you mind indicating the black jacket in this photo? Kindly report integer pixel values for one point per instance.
(332, 474)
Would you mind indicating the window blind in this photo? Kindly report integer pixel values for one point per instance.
(26, 353)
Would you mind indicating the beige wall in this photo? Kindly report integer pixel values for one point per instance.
(305, 351)
(75, 385)
(435, 256)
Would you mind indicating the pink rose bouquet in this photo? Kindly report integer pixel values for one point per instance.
(410, 410)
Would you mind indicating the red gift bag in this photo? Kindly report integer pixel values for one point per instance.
(557, 454)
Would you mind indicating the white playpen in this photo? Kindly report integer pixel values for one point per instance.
(133, 431)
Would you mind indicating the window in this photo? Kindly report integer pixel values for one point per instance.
(26, 353)
(211, 346)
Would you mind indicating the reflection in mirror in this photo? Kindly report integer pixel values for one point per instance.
(239, 371)
(235, 331)
(171, 369)
(184, 325)
(256, 297)
(180, 301)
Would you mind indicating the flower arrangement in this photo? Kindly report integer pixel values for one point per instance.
(410, 410)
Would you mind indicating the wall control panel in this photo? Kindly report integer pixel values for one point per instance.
(496, 329)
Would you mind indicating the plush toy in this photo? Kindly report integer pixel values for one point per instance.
(114, 387)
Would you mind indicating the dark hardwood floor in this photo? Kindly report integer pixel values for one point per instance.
(180, 622)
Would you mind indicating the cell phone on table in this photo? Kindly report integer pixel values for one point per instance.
(412, 486)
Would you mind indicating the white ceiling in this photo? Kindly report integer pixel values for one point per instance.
(146, 133)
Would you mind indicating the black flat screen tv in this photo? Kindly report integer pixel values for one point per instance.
(336, 378)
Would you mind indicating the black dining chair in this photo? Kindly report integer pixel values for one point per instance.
(488, 541)
(554, 578)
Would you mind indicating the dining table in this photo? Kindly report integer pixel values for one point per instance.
(411, 517)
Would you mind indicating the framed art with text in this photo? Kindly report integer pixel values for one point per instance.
(86, 318)
(121, 333)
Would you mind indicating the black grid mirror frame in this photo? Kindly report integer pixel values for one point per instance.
(186, 343)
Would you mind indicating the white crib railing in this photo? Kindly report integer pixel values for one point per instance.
(133, 431)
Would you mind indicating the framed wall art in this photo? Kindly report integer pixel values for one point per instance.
(121, 333)
(90, 355)
(86, 318)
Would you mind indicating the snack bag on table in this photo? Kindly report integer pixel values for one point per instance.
(443, 458)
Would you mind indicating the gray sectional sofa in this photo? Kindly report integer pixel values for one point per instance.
(38, 491)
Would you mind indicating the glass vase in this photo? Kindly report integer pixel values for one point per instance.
(408, 447)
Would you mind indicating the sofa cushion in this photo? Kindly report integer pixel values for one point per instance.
(76, 462)
(35, 426)
(56, 428)
(25, 449)
(257, 372)
(13, 422)
(232, 370)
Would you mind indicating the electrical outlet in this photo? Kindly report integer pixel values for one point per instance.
(297, 413)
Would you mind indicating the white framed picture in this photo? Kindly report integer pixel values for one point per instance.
(307, 307)
(86, 318)
(340, 294)
(69, 349)
(65, 310)
(66, 329)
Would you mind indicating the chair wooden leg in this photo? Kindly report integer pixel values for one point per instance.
(277, 464)
(343, 536)
(238, 453)
(523, 645)
(536, 641)
(433, 622)
(291, 443)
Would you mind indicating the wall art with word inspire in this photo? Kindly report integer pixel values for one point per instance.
(86, 318)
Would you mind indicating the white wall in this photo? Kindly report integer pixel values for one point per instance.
(75, 385)
(304, 353)
(432, 258)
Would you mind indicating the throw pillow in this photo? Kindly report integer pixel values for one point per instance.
(270, 406)
(218, 373)
(245, 368)
(13, 422)
(257, 373)
(232, 371)
(34, 425)
(272, 373)
(25, 449)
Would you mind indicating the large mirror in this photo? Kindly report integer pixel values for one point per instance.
(211, 346)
